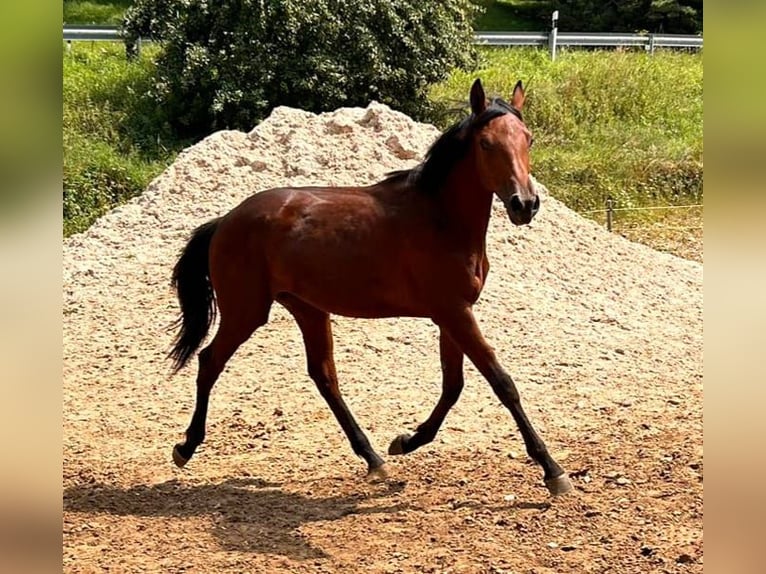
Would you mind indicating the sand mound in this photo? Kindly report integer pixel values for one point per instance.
(603, 336)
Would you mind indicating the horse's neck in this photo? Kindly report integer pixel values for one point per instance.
(467, 205)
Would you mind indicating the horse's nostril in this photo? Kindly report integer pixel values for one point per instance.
(516, 204)
(536, 205)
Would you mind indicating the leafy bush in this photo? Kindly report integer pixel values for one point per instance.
(225, 65)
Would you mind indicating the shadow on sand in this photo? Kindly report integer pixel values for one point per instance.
(250, 515)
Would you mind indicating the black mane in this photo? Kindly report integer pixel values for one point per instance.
(450, 148)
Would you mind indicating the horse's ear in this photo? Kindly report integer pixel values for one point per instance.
(478, 99)
(517, 99)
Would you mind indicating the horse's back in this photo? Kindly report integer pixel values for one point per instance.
(326, 245)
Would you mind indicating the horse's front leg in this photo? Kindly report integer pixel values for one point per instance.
(452, 385)
(462, 327)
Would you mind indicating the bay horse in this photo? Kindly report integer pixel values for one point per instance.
(411, 245)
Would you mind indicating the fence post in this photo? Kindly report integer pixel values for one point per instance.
(554, 33)
(133, 49)
(609, 212)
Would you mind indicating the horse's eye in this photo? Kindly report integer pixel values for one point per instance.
(485, 143)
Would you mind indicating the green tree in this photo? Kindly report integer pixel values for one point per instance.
(676, 16)
(668, 16)
(226, 64)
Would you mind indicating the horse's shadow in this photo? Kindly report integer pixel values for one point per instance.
(250, 515)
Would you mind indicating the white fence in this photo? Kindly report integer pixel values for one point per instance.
(552, 39)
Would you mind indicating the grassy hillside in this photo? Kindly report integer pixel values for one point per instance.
(624, 124)
(114, 141)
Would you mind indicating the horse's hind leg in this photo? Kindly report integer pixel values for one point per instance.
(452, 385)
(317, 337)
(234, 330)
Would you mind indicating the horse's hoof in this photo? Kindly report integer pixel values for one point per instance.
(559, 485)
(178, 458)
(377, 474)
(397, 445)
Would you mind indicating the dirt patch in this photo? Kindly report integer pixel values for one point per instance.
(603, 336)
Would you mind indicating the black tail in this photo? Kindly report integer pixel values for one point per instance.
(191, 280)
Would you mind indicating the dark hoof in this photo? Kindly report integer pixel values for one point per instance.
(378, 474)
(559, 485)
(397, 445)
(178, 458)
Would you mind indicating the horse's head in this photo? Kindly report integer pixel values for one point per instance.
(501, 143)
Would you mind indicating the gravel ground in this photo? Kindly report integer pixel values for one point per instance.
(603, 336)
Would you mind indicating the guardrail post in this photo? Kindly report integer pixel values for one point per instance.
(651, 44)
(554, 33)
(133, 49)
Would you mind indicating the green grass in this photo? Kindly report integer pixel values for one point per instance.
(606, 123)
(95, 11)
(115, 140)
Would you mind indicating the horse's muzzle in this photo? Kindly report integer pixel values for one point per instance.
(522, 210)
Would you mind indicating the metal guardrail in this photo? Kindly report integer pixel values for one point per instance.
(97, 33)
(647, 41)
(677, 41)
(512, 38)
